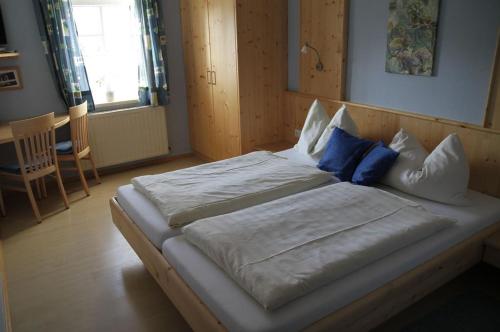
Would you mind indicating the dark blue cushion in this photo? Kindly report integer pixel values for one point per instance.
(376, 163)
(11, 168)
(342, 154)
(14, 168)
(65, 147)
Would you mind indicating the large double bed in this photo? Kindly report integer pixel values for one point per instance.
(376, 282)
(148, 217)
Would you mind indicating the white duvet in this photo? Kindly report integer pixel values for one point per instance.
(221, 187)
(286, 248)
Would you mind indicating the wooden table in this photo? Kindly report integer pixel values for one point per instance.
(6, 133)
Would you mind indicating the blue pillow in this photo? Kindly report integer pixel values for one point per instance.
(342, 154)
(377, 162)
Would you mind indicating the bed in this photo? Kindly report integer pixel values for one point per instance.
(364, 298)
(150, 220)
(227, 300)
(210, 301)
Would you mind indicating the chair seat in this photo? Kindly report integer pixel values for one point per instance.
(11, 168)
(65, 147)
(16, 169)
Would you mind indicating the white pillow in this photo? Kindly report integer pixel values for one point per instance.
(341, 120)
(316, 122)
(442, 176)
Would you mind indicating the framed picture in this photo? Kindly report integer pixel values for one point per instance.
(10, 78)
(411, 36)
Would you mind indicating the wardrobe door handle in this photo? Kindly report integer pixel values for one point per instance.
(215, 78)
(209, 76)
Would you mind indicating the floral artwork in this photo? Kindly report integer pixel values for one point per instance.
(411, 36)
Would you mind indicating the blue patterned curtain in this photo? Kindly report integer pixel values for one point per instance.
(60, 39)
(153, 83)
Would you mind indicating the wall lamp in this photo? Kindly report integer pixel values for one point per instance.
(305, 50)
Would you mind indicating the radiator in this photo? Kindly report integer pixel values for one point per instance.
(123, 136)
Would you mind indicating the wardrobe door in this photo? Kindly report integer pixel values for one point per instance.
(196, 41)
(223, 49)
(262, 69)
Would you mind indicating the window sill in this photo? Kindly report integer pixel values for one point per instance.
(98, 113)
(117, 105)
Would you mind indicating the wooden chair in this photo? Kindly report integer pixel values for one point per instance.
(35, 142)
(2, 205)
(78, 148)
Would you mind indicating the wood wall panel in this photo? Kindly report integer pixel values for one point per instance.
(481, 144)
(263, 70)
(492, 117)
(323, 24)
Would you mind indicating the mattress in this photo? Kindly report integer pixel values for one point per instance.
(145, 215)
(227, 301)
(150, 220)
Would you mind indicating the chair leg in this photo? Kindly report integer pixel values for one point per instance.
(82, 176)
(44, 187)
(38, 191)
(2, 205)
(61, 188)
(96, 175)
(32, 199)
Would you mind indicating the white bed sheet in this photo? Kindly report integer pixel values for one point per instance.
(296, 156)
(149, 218)
(239, 312)
(145, 215)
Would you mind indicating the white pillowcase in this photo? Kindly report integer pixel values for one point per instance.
(442, 176)
(316, 122)
(341, 120)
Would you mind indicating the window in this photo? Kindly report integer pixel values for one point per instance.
(109, 37)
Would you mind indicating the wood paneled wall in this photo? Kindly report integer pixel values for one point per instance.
(481, 145)
(323, 24)
(263, 58)
(492, 117)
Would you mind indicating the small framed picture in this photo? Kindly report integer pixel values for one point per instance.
(10, 78)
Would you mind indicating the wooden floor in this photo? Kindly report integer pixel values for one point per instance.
(75, 272)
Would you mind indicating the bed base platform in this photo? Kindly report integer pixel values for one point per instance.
(361, 315)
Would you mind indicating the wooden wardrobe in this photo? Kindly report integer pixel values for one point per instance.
(235, 58)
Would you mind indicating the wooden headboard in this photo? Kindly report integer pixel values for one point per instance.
(482, 145)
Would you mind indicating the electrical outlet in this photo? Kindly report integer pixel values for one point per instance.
(298, 132)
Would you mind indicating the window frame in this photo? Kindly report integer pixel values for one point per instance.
(116, 105)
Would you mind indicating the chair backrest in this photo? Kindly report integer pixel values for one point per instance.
(35, 142)
(79, 127)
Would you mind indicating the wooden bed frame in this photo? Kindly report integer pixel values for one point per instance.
(483, 150)
(361, 315)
